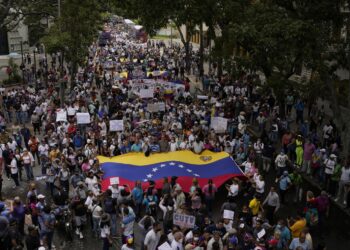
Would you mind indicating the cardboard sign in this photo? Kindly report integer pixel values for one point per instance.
(116, 125)
(184, 221)
(261, 233)
(146, 93)
(61, 116)
(114, 180)
(165, 246)
(83, 118)
(219, 124)
(228, 214)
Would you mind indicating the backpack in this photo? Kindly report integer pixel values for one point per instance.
(109, 205)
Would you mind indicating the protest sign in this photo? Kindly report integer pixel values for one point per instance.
(228, 214)
(61, 116)
(114, 180)
(156, 107)
(202, 97)
(219, 124)
(261, 233)
(161, 106)
(116, 125)
(83, 118)
(146, 93)
(165, 246)
(183, 220)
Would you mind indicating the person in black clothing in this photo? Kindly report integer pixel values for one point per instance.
(80, 212)
(7, 155)
(15, 236)
(60, 198)
(32, 239)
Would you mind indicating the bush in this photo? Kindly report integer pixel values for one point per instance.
(16, 79)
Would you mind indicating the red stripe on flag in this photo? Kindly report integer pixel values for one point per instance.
(185, 182)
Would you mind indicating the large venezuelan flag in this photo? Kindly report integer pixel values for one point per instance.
(184, 164)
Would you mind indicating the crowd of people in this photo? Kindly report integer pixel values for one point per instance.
(111, 87)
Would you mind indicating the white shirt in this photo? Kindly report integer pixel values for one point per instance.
(259, 186)
(330, 164)
(151, 240)
(96, 211)
(125, 247)
(210, 244)
(105, 231)
(43, 149)
(24, 107)
(248, 166)
(281, 160)
(176, 245)
(233, 190)
(345, 174)
(27, 159)
(115, 191)
(173, 146)
(327, 130)
(90, 182)
(14, 168)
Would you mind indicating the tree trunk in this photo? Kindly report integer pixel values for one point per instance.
(186, 43)
(201, 51)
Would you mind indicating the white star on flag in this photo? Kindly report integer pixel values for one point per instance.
(181, 166)
(155, 169)
(162, 165)
(189, 170)
(145, 180)
(197, 175)
(149, 175)
(172, 163)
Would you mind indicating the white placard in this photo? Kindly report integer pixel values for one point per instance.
(83, 118)
(228, 214)
(184, 221)
(71, 111)
(61, 116)
(114, 180)
(146, 93)
(261, 233)
(152, 107)
(161, 106)
(116, 125)
(156, 107)
(165, 246)
(202, 97)
(219, 124)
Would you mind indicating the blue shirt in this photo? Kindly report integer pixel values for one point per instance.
(47, 222)
(137, 194)
(136, 147)
(296, 243)
(284, 181)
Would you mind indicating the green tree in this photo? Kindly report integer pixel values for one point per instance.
(74, 31)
